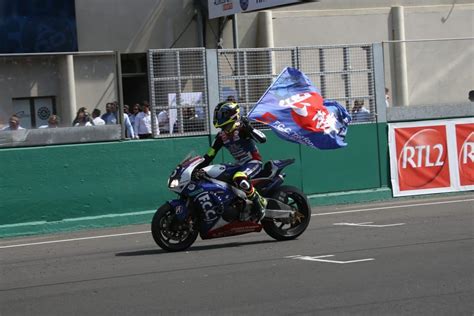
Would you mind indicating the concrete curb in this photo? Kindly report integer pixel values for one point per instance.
(67, 225)
(350, 197)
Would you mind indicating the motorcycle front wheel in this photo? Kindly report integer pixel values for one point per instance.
(289, 229)
(169, 233)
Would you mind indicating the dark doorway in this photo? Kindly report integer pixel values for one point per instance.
(134, 78)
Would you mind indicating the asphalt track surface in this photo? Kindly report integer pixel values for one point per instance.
(411, 257)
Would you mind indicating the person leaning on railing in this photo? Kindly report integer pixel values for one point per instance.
(359, 112)
(53, 122)
(13, 124)
(110, 115)
(96, 118)
(82, 118)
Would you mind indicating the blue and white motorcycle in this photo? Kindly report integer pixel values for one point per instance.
(210, 206)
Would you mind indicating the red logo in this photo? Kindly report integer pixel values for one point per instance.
(465, 150)
(267, 118)
(422, 157)
(308, 111)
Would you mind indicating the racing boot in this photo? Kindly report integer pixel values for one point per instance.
(259, 204)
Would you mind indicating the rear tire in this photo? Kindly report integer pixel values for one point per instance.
(169, 233)
(297, 200)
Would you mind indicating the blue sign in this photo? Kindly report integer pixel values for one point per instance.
(31, 26)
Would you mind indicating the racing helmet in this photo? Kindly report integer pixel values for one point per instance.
(226, 114)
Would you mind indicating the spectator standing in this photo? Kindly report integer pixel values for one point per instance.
(164, 122)
(359, 112)
(191, 121)
(53, 122)
(143, 122)
(110, 115)
(133, 115)
(135, 110)
(387, 97)
(13, 124)
(82, 118)
(130, 131)
(96, 119)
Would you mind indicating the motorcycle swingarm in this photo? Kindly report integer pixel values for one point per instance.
(279, 214)
(278, 210)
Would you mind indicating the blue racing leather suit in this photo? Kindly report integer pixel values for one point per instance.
(241, 143)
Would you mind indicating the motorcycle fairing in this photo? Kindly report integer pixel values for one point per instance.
(222, 172)
(270, 176)
(180, 208)
(213, 202)
(283, 163)
(232, 229)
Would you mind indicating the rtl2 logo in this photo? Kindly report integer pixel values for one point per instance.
(465, 150)
(422, 157)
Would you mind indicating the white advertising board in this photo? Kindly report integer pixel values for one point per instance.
(218, 8)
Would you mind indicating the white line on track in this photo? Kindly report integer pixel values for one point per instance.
(391, 207)
(73, 239)
(318, 214)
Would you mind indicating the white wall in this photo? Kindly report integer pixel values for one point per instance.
(440, 72)
(323, 28)
(134, 26)
(95, 81)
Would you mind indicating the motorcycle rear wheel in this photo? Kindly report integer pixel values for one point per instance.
(169, 233)
(297, 200)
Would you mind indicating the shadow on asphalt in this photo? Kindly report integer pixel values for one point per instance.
(192, 248)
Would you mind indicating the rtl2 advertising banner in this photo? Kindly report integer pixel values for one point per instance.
(465, 150)
(432, 156)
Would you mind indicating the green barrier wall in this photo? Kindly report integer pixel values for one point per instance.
(58, 182)
(354, 167)
(60, 188)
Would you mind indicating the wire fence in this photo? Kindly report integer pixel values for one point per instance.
(178, 91)
(343, 73)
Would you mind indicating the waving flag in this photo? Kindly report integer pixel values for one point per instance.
(296, 111)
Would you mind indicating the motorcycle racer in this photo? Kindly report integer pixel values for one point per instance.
(239, 137)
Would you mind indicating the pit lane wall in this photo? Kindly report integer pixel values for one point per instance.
(68, 187)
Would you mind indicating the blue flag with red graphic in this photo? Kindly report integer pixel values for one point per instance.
(296, 111)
